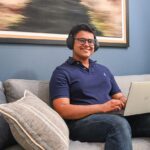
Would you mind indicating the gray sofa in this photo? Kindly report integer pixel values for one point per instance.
(13, 89)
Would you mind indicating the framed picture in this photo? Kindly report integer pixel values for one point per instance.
(49, 22)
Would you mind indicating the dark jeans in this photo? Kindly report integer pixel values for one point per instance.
(116, 131)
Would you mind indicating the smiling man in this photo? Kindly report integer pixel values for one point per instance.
(85, 93)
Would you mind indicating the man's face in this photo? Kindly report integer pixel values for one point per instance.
(83, 45)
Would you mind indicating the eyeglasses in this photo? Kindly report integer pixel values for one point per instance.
(83, 41)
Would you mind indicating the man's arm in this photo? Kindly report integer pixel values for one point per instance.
(71, 111)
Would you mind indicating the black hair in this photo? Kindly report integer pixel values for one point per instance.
(82, 27)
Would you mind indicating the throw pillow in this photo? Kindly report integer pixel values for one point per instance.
(35, 125)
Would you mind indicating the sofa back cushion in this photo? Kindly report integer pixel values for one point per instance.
(14, 89)
(125, 81)
(2, 95)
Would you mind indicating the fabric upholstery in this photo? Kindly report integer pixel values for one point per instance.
(15, 147)
(2, 95)
(35, 125)
(14, 89)
(6, 138)
(125, 81)
(138, 144)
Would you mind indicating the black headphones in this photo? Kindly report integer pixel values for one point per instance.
(75, 30)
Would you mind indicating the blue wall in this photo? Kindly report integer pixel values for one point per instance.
(38, 61)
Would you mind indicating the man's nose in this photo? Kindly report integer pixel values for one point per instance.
(86, 43)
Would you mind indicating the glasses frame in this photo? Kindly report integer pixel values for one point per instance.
(82, 41)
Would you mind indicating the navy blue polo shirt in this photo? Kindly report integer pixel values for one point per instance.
(93, 85)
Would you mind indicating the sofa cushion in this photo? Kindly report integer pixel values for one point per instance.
(14, 89)
(6, 137)
(138, 144)
(2, 95)
(14, 147)
(125, 81)
(35, 125)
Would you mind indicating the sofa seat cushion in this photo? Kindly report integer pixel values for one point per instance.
(35, 125)
(138, 144)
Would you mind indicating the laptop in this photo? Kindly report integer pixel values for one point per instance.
(138, 100)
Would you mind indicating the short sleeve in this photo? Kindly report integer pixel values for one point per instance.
(59, 85)
(114, 86)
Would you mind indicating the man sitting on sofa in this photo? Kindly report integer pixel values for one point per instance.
(85, 93)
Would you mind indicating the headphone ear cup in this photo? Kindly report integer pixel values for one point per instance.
(70, 42)
(96, 45)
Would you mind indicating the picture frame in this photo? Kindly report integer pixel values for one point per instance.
(118, 39)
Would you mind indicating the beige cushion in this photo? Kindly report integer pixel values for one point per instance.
(35, 125)
(14, 89)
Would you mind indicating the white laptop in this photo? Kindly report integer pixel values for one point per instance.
(138, 100)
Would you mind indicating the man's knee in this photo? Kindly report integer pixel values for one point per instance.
(121, 125)
(113, 122)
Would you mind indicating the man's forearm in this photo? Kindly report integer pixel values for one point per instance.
(70, 111)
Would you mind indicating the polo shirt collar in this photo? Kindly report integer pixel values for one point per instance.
(71, 61)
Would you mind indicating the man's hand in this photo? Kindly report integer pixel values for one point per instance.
(113, 105)
(124, 99)
(119, 96)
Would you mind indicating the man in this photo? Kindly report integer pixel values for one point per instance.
(86, 95)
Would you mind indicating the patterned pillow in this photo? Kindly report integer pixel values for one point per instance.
(35, 125)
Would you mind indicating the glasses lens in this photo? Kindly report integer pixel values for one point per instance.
(83, 41)
(90, 41)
